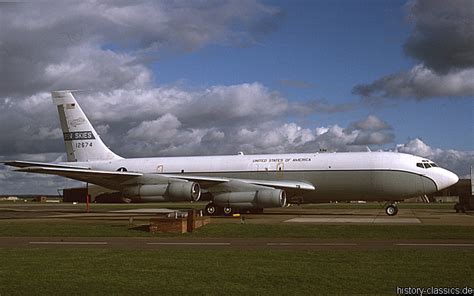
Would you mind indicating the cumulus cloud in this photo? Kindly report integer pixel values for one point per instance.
(105, 46)
(442, 41)
(163, 127)
(167, 135)
(357, 136)
(235, 102)
(419, 83)
(157, 112)
(454, 160)
(370, 138)
(97, 45)
(443, 35)
(372, 122)
(221, 119)
(371, 130)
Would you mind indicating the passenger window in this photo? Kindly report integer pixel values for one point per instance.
(427, 165)
(420, 165)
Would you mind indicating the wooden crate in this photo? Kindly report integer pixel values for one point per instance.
(168, 225)
(177, 225)
(201, 221)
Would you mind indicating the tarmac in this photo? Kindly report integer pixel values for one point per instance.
(298, 214)
(292, 215)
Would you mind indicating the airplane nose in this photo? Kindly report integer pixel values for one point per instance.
(446, 179)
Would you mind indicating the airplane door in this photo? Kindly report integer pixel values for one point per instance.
(159, 168)
(421, 185)
(280, 167)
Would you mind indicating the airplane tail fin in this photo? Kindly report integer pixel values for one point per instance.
(82, 141)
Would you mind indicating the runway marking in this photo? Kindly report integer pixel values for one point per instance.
(311, 244)
(191, 244)
(438, 245)
(68, 243)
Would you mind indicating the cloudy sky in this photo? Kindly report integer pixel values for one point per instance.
(164, 78)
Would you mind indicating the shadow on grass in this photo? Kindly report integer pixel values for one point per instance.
(141, 228)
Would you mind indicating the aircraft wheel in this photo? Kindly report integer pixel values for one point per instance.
(210, 209)
(391, 210)
(126, 200)
(227, 211)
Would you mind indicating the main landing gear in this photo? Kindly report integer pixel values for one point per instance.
(228, 211)
(391, 209)
(212, 210)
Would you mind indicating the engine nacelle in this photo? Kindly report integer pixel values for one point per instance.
(267, 198)
(174, 191)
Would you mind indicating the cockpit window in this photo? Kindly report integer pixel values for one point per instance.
(426, 165)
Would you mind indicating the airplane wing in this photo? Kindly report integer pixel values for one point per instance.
(205, 181)
(23, 164)
(116, 180)
(109, 179)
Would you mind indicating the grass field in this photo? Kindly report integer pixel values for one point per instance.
(211, 272)
(228, 230)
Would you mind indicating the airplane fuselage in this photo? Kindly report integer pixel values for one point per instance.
(336, 176)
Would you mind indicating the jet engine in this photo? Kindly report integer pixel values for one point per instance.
(267, 198)
(174, 191)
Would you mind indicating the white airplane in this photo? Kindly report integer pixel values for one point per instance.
(240, 182)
